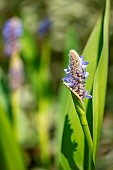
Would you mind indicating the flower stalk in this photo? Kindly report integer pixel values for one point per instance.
(75, 82)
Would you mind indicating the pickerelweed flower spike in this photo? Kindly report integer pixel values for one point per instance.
(44, 27)
(76, 75)
(12, 30)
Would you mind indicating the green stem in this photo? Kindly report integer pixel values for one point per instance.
(87, 134)
(79, 106)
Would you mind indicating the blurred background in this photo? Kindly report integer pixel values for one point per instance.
(36, 37)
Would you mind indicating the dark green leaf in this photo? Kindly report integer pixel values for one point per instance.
(100, 82)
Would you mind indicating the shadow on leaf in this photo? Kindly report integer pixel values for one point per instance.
(68, 146)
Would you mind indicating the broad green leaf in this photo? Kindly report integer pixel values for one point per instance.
(72, 148)
(95, 36)
(100, 82)
(79, 106)
(91, 53)
(78, 159)
(71, 41)
(64, 95)
(80, 110)
(10, 155)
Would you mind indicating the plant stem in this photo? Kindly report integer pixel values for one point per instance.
(79, 106)
(88, 139)
(88, 136)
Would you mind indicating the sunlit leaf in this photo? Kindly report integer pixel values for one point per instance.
(70, 42)
(100, 82)
(73, 139)
(91, 54)
(10, 156)
(96, 52)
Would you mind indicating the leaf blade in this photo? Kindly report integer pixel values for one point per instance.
(12, 157)
(75, 134)
(100, 83)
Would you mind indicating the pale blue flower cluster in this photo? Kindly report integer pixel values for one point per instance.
(12, 30)
(44, 27)
(76, 74)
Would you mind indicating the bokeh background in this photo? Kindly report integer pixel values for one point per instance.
(31, 71)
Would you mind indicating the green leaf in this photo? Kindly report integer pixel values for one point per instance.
(71, 112)
(95, 49)
(10, 156)
(71, 41)
(29, 48)
(5, 95)
(72, 148)
(100, 82)
(80, 111)
(91, 53)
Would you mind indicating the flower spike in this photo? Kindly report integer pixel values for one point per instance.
(76, 75)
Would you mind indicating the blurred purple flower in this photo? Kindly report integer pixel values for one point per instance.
(16, 73)
(12, 30)
(76, 74)
(44, 27)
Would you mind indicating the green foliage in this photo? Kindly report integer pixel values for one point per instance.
(100, 82)
(10, 156)
(36, 63)
(5, 95)
(29, 48)
(96, 52)
(37, 69)
(71, 41)
(29, 112)
(73, 138)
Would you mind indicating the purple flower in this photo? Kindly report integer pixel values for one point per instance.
(12, 30)
(76, 74)
(44, 27)
(16, 73)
